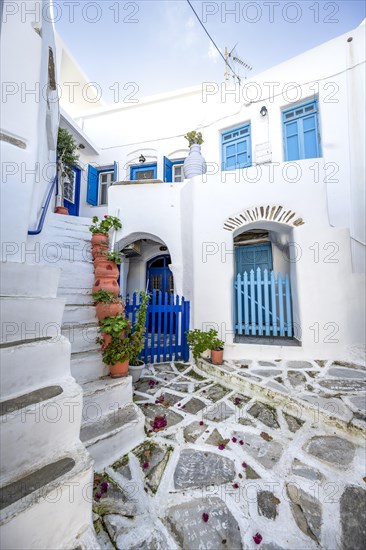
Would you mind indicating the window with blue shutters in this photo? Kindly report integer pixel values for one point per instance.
(99, 179)
(301, 131)
(173, 170)
(236, 148)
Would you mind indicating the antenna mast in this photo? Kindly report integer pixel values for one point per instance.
(236, 59)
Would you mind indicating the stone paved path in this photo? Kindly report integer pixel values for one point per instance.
(268, 465)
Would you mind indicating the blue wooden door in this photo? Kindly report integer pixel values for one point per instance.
(72, 193)
(253, 256)
(160, 278)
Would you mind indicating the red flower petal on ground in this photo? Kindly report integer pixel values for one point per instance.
(234, 440)
(201, 423)
(221, 446)
(241, 442)
(97, 496)
(235, 486)
(145, 465)
(178, 405)
(205, 517)
(244, 464)
(257, 538)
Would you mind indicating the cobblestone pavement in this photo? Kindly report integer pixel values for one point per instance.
(276, 463)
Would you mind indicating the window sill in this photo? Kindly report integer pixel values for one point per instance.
(136, 182)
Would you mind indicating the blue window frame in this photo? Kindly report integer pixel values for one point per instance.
(173, 170)
(236, 148)
(96, 194)
(143, 172)
(301, 131)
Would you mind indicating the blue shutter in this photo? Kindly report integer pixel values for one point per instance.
(168, 171)
(115, 171)
(310, 137)
(253, 256)
(92, 190)
(236, 148)
(301, 132)
(292, 140)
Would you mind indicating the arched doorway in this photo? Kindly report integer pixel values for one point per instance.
(159, 275)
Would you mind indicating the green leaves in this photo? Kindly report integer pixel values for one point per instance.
(200, 341)
(67, 153)
(105, 297)
(194, 137)
(104, 225)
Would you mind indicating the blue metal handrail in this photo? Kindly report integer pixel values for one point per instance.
(44, 209)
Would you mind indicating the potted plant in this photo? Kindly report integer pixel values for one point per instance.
(194, 163)
(200, 341)
(67, 157)
(100, 228)
(108, 266)
(137, 338)
(115, 326)
(106, 304)
(116, 356)
(106, 283)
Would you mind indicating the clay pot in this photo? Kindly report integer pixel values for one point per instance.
(119, 370)
(106, 270)
(217, 356)
(106, 283)
(100, 259)
(99, 250)
(108, 310)
(99, 238)
(62, 210)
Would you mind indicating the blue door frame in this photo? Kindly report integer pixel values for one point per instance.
(253, 256)
(73, 207)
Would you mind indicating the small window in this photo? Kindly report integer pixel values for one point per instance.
(301, 132)
(105, 180)
(178, 174)
(236, 148)
(143, 172)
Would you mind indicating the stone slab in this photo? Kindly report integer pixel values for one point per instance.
(267, 453)
(332, 449)
(202, 468)
(193, 431)
(220, 532)
(265, 413)
(353, 518)
(194, 405)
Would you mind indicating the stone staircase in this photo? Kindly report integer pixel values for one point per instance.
(45, 472)
(111, 423)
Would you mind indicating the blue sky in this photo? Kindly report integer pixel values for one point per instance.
(160, 46)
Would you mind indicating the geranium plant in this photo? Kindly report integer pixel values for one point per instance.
(105, 297)
(200, 341)
(115, 325)
(67, 157)
(104, 225)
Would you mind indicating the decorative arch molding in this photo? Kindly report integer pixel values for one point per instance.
(272, 213)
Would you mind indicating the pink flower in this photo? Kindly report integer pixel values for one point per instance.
(241, 442)
(145, 465)
(205, 517)
(104, 486)
(235, 486)
(201, 423)
(221, 446)
(244, 464)
(234, 440)
(105, 215)
(159, 423)
(257, 538)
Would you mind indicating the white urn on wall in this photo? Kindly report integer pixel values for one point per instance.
(194, 164)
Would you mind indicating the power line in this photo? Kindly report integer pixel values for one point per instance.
(213, 42)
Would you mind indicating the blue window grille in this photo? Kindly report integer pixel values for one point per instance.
(236, 148)
(143, 172)
(301, 132)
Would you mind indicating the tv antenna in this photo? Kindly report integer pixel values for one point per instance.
(236, 59)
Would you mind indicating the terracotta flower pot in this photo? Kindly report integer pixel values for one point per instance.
(100, 259)
(62, 210)
(108, 310)
(119, 370)
(99, 250)
(106, 283)
(99, 238)
(106, 270)
(217, 356)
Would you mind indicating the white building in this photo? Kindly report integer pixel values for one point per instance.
(286, 163)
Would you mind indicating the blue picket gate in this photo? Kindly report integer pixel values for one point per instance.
(263, 304)
(167, 322)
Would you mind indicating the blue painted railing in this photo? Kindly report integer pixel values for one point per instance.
(263, 304)
(44, 209)
(167, 322)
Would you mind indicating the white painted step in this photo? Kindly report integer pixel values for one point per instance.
(20, 279)
(26, 367)
(69, 221)
(30, 318)
(76, 267)
(81, 314)
(114, 435)
(103, 396)
(37, 429)
(75, 296)
(64, 249)
(82, 337)
(88, 366)
(78, 280)
(27, 523)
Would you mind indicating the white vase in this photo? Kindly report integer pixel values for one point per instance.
(194, 164)
(136, 371)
